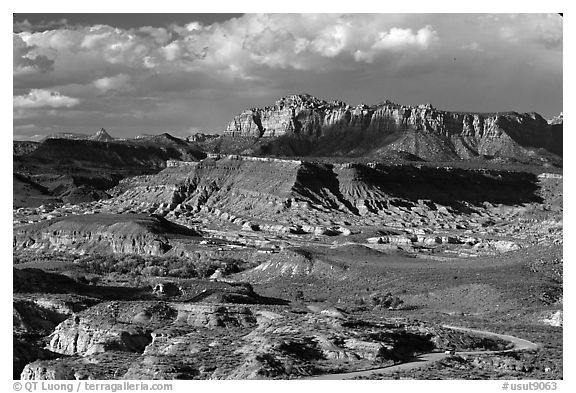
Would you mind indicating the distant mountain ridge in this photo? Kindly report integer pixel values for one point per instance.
(305, 125)
(101, 136)
(79, 169)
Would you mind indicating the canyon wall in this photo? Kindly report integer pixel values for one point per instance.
(421, 130)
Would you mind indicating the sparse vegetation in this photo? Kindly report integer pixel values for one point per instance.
(200, 265)
(302, 269)
(196, 265)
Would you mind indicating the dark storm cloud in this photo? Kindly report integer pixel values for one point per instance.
(144, 73)
(41, 22)
(19, 25)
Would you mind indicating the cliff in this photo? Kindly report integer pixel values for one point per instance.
(335, 128)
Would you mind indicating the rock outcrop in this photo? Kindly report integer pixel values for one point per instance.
(104, 234)
(173, 340)
(335, 128)
(214, 316)
(24, 353)
(200, 137)
(117, 326)
(101, 136)
(102, 365)
(39, 314)
(558, 119)
(554, 319)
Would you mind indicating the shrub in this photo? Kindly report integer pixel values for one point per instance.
(198, 264)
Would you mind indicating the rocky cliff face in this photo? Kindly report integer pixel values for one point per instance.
(423, 130)
(120, 326)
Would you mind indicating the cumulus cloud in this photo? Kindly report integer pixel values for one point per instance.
(540, 29)
(180, 73)
(112, 83)
(309, 41)
(401, 38)
(235, 47)
(396, 40)
(38, 98)
(25, 61)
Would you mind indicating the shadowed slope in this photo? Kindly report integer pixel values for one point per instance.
(270, 187)
(80, 170)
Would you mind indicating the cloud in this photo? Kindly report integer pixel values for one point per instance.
(25, 25)
(473, 46)
(233, 48)
(38, 98)
(397, 40)
(404, 38)
(25, 61)
(238, 48)
(308, 41)
(112, 83)
(202, 74)
(539, 29)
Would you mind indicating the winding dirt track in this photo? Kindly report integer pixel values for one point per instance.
(431, 357)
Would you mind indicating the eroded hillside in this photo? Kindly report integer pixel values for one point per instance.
(271, 268)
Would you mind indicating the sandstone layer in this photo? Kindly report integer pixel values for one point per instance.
(335, 128)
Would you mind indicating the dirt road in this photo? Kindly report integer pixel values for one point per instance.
(431, 357)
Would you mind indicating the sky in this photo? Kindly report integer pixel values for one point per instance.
(138, 74)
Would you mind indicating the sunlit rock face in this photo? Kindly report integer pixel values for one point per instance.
(421, 130)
